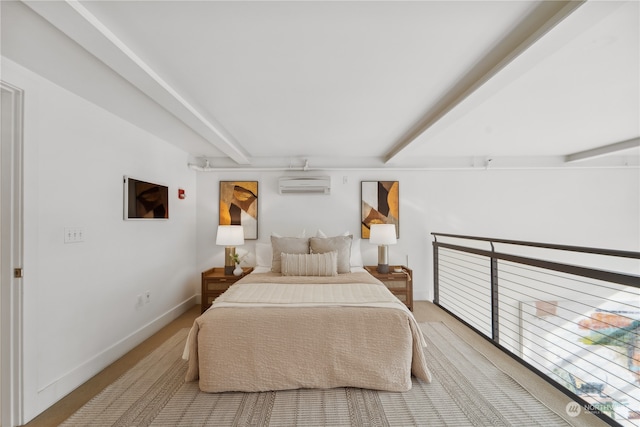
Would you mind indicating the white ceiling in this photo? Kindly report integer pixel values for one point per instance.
(351, 84)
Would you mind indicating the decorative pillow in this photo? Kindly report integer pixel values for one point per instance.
(309, 264)
(356, 254)
(288, 245)
(340, 244)
(263, 255)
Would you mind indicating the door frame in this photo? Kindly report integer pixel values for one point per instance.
(11, 256)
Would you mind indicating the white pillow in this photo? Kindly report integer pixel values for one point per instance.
(264, 255)
(356, 254)
(303, 233)
(309, 264)
(323, 235)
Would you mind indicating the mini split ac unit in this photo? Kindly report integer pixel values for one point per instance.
(304, 185)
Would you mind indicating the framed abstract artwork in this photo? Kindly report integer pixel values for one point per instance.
(380, 205)
(239, 206)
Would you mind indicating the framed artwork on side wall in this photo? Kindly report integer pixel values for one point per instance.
(239, 206)
(380, 205)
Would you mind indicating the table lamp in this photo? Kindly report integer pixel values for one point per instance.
(383, 235)
(230, 236)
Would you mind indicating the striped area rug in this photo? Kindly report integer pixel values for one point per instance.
(467, 390)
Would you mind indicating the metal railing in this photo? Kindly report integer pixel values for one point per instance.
(569, 313)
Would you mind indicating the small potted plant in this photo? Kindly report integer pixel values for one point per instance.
(237, 259)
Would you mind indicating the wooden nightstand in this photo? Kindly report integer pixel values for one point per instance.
(215, 282)
(400, 284)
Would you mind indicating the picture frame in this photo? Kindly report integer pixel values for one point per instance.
(145, 200)
(380, 204)
(238, 205)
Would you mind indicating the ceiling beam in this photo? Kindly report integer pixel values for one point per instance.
(604, 150)
(546, 16)
(78, 23)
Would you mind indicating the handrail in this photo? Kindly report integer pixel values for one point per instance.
(583, 249)
(496, 314)
(593, 273)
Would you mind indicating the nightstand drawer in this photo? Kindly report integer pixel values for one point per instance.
(218, 285)
(396, 284)
(223, 279)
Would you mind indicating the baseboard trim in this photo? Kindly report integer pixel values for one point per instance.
(57, 389)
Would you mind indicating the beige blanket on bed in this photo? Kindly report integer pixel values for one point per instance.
(273, 332)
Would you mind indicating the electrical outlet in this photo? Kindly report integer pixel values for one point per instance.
(147, 297)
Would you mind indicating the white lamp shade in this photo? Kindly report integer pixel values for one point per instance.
(230, 235)
(383, 234)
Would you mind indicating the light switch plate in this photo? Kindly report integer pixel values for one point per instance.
(73, 234)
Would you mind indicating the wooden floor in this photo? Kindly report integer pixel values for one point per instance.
(423, 311)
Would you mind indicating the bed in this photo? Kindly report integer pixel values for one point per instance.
(278, 331)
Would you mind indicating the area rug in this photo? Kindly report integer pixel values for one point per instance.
(467, 390)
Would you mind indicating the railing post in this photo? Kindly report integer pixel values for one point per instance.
(436, 273)
(495, 315)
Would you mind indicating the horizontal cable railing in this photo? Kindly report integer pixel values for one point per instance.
(570, 313)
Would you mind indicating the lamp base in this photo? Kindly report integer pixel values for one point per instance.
(229, 264)
(383, 268)
(383, 259)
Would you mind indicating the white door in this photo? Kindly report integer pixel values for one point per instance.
(11, 256)
(2, 128)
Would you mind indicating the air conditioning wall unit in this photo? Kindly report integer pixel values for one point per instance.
(304, 185)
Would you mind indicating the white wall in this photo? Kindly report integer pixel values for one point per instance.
(80, 299)
(587, 207)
